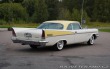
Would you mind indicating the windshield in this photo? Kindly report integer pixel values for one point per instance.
(50, 26)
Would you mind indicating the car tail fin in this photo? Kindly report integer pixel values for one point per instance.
(43, 34)
(13, 32)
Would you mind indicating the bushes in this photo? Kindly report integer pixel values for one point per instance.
(19, 13)
(5, 12)
(28, 10)
(2, 22)
(36, 11)
(41, 12)
(12, 12)
(64, 14)
(75, 15)
(30, 6)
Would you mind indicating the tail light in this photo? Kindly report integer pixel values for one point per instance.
(43, 34)
(13, 32)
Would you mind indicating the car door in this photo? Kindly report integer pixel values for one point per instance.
(72, 39)
(79, 34)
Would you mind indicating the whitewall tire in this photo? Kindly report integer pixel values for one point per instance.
(59, 45)
(91, 41)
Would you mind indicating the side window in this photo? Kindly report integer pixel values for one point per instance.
(73, 26)
(69, 27)
(76, 26)
(59, 26)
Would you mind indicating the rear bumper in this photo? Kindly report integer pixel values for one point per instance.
(28, 42)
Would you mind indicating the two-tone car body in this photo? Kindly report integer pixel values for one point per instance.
(57, 33)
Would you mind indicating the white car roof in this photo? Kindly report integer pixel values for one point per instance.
(61, 21)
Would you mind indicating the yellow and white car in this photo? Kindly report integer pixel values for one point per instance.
(57, 33)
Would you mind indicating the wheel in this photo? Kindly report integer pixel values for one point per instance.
(59, 45)
(33, 46)
(91, 41)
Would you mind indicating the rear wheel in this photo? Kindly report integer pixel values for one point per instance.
(33, 46)
(91, 41)
(59, 45)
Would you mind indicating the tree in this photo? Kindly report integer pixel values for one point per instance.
(6, 1)
(89, 6)
(52, 6)
(41, 12)
(101, 11)
(70, 4)
(64, 14)
(86, 17)
(5, 12)
(17, 1)
(76, 15)
(12, 12)
(30, 6)
(19, 13)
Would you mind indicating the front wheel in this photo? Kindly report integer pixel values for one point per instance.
(59, 45)
(91, 41)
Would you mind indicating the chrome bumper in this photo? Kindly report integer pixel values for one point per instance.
(28, 42)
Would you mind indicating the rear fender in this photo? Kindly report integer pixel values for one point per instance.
(65, 41)
(17, 29)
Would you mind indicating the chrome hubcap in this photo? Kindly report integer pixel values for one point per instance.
(60, 45)
(92, 40)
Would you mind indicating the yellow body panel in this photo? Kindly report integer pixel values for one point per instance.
(64, 31)
(51, 33)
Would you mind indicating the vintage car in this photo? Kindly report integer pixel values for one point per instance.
(57, 33)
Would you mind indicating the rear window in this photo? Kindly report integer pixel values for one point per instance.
(50, 26)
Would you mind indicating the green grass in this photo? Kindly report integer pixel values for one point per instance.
(103, 27)
(104, 30)
(28, 25)
(97, 24)
(24, 24)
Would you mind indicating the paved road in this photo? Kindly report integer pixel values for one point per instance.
(77, 56)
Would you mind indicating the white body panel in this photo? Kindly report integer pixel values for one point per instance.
(34, 35)
(82, 35)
